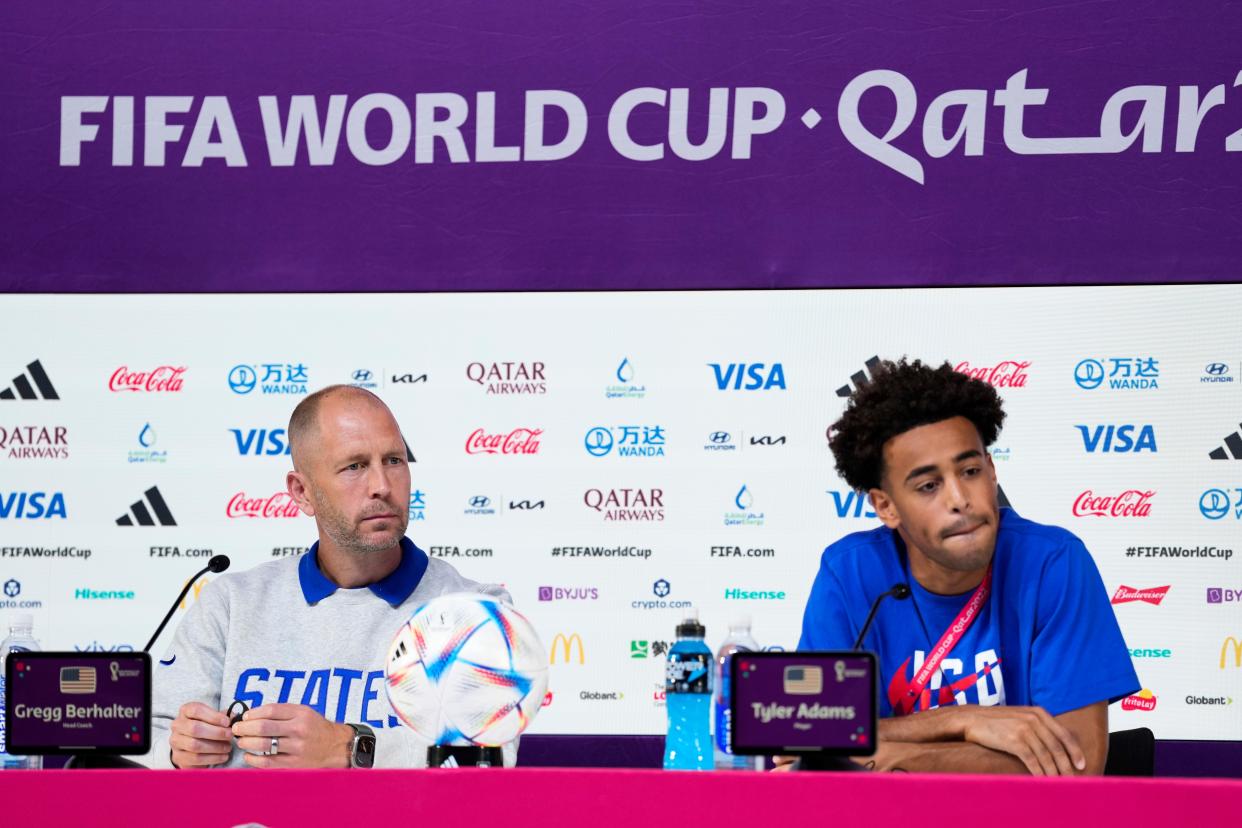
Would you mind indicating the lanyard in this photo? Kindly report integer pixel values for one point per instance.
(945, 645)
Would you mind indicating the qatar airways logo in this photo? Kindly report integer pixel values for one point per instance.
(165, 378)
(1128, 595)
(632, 505)
(508, 377)
(517, 441)
(1007, 374)
(1130, 503)
(279, 505)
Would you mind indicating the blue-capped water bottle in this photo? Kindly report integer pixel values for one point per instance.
(688, 698)
(20, 640)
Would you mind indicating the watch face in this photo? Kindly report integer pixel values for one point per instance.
(364, 751)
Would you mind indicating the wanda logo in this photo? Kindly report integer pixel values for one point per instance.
(1007, 374)
(279, 505)
(1130, 503)
(518, 441)
(164, 378)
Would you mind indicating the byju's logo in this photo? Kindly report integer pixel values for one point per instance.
(517, 441)
(1007, 374)
(269, 378)
(24, 385)
(850, 504)
(364, 378)
(256, 442)
(32, 505)
(628, 505)
(744, 516)
(1128, 595)
(508, 377)
(1130, 503)
(34, 442)
(1219, 595)
(1232, 449)
(1133, 373)
(148, 510)
(418, 506)
(626, 389)
(859, 378)
(163, 379)
(147, 453)
(629, 441)
(549, 593)
(1216, 372)
(480, 505)
(742, 376)
(1214, 504)
(1118, 439)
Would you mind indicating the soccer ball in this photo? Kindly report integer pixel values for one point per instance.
(466, 669)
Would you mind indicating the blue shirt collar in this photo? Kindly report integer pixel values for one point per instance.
(394, 587)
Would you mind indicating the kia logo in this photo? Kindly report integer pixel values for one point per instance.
(1216, 369)
(479, 502)
(1214, 504)
(598, 441)
(242, 379)
(1089, 374)
(362, 375)
(719, 437)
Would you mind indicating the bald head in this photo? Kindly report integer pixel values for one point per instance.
(304, 423)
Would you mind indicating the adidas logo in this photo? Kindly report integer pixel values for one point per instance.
(860, 379)
(1233, 445)
(140, 515)
(25, 391)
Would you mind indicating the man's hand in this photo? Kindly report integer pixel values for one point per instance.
(199, 737)
(1044, 745)
(305, 739)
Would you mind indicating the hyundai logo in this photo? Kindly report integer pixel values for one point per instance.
(362, 375)
(1089, 374)
(242, 379)
(479, 502)
(598, 441)
(719, 437)
(1214, 504)
(1216, 369)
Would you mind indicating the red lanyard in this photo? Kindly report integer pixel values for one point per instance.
(945, 645)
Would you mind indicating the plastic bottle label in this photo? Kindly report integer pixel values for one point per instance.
(688, 673)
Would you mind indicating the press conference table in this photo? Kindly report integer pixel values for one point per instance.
(600, 798)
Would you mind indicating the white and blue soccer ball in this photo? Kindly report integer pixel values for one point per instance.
(467, 669)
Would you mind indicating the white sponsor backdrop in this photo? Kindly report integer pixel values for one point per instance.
(670, 340)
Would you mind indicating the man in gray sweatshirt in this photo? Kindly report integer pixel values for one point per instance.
(303, 641)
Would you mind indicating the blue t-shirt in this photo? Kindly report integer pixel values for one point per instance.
(1047, 635)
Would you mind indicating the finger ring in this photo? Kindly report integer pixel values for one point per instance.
(275, 747)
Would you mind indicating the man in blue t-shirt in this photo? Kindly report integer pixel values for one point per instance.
(1006, 654)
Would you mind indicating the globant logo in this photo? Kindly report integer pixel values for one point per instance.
(1118, 439)
(508, 377)
(549, 593)
(1130, 503)
(32, 506)
(147, 439)
(103, 595)
(1219, 595)
(1214, 504)
(1216, 372)
(741, 376)
(1143, 700)
(626, 390)
(734, 594)
(418, 506)
(269, 378)
(480, 505)
(629, 441)
(626, 505)
(517, 441)
(1220, 701)
(599, 695)
(1129, 373)
(35, 442)
(1128, 595)
(261, 442)
(743, 500)
(1007, 374)
(278, 505)
(164, 379)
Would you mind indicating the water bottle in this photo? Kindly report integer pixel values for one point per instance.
(739, 641)
(20, 640)
(688, 698)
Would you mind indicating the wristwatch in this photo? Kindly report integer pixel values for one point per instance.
(362, 751)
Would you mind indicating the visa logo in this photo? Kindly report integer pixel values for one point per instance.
(757, 376)
(261, 441)
(1118, 439)
(30, 505)
(853, 504)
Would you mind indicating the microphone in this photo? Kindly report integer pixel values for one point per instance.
(899, 591)
(218, 563)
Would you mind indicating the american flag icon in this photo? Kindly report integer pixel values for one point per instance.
(77, 680)
(804, 680)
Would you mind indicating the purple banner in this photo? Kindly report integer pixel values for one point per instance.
(557, 146)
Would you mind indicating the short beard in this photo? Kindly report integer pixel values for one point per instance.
(337, 527)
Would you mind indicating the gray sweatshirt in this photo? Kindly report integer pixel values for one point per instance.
(282, 632)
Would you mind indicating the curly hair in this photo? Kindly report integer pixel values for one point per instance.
(904, 395)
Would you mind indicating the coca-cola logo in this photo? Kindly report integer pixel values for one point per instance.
(279, 505)
(517, 441)
(1143, 700)
(1126, 595)
(166, 378)
(1007, 374)
(1130, 503)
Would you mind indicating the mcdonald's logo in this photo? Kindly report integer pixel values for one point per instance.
(565, 646)
(1237, 652)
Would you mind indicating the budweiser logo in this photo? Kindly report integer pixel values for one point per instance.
(1130, 503)
(279, 505)
(1007, 374)
(518, 441)
(1126, 595)
(163, 378)
(1142, 700)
